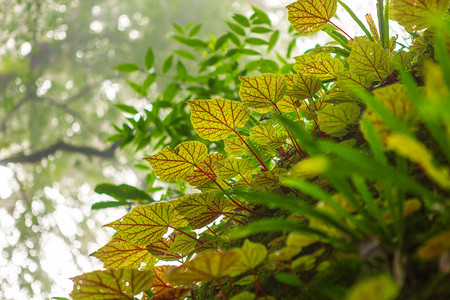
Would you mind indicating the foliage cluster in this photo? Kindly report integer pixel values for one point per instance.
(337, 175)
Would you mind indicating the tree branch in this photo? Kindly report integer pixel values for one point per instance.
(61, 146)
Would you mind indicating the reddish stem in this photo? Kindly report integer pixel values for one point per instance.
(282, 152)
(340, 29)
(251, 150)
(294, 142)
(222, 289)
(232, 285)
(187, 234)
(357, 133)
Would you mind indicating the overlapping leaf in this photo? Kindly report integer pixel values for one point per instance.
(232, 167)
(235, 146)
(201, 209)
(119, 253)
(304, 86)
(178, 163)
(311, 16)
(147, 223)
(160, 249)
(205, 267)
(217, 118)
(267, 135)
(173, 293)
(204, 172)
(160, 283)
(348, 80)
(268, 179)
(183, 244)
(381, 287)
(289, 103)
(417, 15)
(337, 95)
(335, 118)
(250, 256)
(111, 284)
(321, 65)
(368, 57)
(262, 91)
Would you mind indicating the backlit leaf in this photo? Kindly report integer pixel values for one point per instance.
(119, 253)
(267, 179)
(235, 146)
(122, 192)
(311, 16)
(251, 255)
(147, 223)
(111, 284)
(160, 249)
(335, 118)
(267, 135)
(262, 91)
(417, 15)
(322, 65)
(201, 209)
(369, 58)
(173, 293)
(204, 267)
(435, 246)
(183, 244)
(381, 287)
(290, 104)
(232, 167)
(160, 283)
(178, 164)
(284, 254)
(217, 118)
(299, 240)
(310, 167)
(348, 80)
(204, 170)
(305, 86)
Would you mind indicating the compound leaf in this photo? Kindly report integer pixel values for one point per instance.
(217, 118)
(311, 16)
(262, 91)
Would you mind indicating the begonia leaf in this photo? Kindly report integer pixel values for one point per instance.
(203, 268)
(119, 253)
(232, 167)
(311, 16)
(267, 135)
(381, 287)
(289, 103)
(160, 283)
(183, 244)
(368, 57)
(217, 118)
(178, 163)
(321, 65)
(310, 167)
(262, 91)
(204, 170)
(173, 293)
(348, 80)
(267, 179)
(111, 284)
(235, 146)
(250, 256)
(304, 86)
(160, 249)
(201, 209)
(299, 240)
(417, 15)
(147, 223)
(335, 118)
(245, 295)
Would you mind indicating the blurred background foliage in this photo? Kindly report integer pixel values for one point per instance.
(59, 99)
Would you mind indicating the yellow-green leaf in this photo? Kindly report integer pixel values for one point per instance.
(417, 15)
(415, 151)
(267, 135)
(299, 240)
(335, 118)
(147, 223)
(160, 249)
(245, 295)
(368, 57)
(251, 255)
(348, 80)
(381, 287)
(183, 244)
(305, 86)
(267, 179)
(201, 209)
(435, 246)
(311, 16)
(178, 163)
(160, 283)
(235, 146)
(289, 103)
(321, 65)
(217, 118)
(111, 284)
(284, 254)
(310, 167)
(203, 172)
(119, 253)
(203, 268)
(232, 167)
(172, 293)
(262, 91)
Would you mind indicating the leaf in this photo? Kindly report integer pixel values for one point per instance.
(167, 64)
(204, 170)
(273, 40)
(304, 86)
(204, 267)
(416, 15)
(335, 118)
(235, 146)
(127, 68)
(267, 179)
(322, 65)
(119, 253)
(160, 249)
(369, 58)
(173, 293)
(403, 58)
(311, 16)
(126, 108)
(202, 209)
(284, 254)
(149, 59)
(183, 244)
(232, 167)
(250, 256)
(185, 54)
(147, 223)
(381, 287)
(241, 20)
(111, 284)
(160, 283)
(267, 135)
(122, 192)
(348, 80)
(435, 246)
(311, 167)
(262, 91)
(245, 295)
(245, 280)
(299, 240)
(256, 41)
(288, 279)
(180, 163)
(236, 28)
(217, 118)
(108, 204)
(415, 151)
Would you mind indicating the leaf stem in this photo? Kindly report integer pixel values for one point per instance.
(340, 29)
(232, 285)
(294, 142)
(222, 289)
(251, 150)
